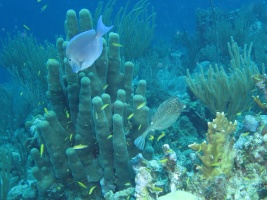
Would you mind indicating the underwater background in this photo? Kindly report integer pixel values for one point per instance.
(173, 107)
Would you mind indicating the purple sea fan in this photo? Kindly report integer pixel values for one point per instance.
(166, 114)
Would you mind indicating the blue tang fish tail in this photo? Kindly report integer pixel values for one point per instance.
(101, 28)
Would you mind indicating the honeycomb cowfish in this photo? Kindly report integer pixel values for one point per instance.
(83, 49)
(166, 114)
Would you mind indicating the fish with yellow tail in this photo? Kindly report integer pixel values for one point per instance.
(83, 49)
(166, 114)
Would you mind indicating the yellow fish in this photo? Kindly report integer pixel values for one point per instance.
(240, 113)
(130, 116)
(139, 127)
(163, 160)
(116, 44)
(91, 190)
(67, 114)
(26, 27)
(104, 106)
(245, 134)
(151, 137)
(161, 136)
(71, 135)
(41, 150)
(80, 146)
(141, 105)
(157, 189)
(105, 87)
(82, 185)
(43, 8)
(110, 136)
(127, 184)
(187, 181)
(45, 110)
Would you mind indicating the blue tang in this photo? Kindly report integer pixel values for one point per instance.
(83, 49)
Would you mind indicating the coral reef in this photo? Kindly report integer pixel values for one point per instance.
(88, 122)
(218, 153)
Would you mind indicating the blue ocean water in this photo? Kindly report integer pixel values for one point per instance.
(47, 25)
(189, 34)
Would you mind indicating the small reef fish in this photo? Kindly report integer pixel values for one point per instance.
(45, 110)
(163, 160)
(26, 27)
(82, 185)
(39, 72)
(38, 1)
(245, 134)
(91, 190)
(105, 87)
(104, 106)
(110, 136)
(79, 146)
(141, 105)
(83, 49)
(130, 116)
(156, 189)
(116, 44)
(21, 93)
(161, 136)
(43, 8)
(139, 127)
(41, 150)
(151, 137)
(67, 114)
(166, 114)
(71, 136)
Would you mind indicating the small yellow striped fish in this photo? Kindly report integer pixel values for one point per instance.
(161, 136)
(41, 150)
(79, 146)
(130, 116)
(105, 87)
(45, 110)
(116, 44)
(104, 106)
(82, 185)
(141, 105)
(67, 114)
(163, 160)
(91, 190)
(151, 137)
(26, 27)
